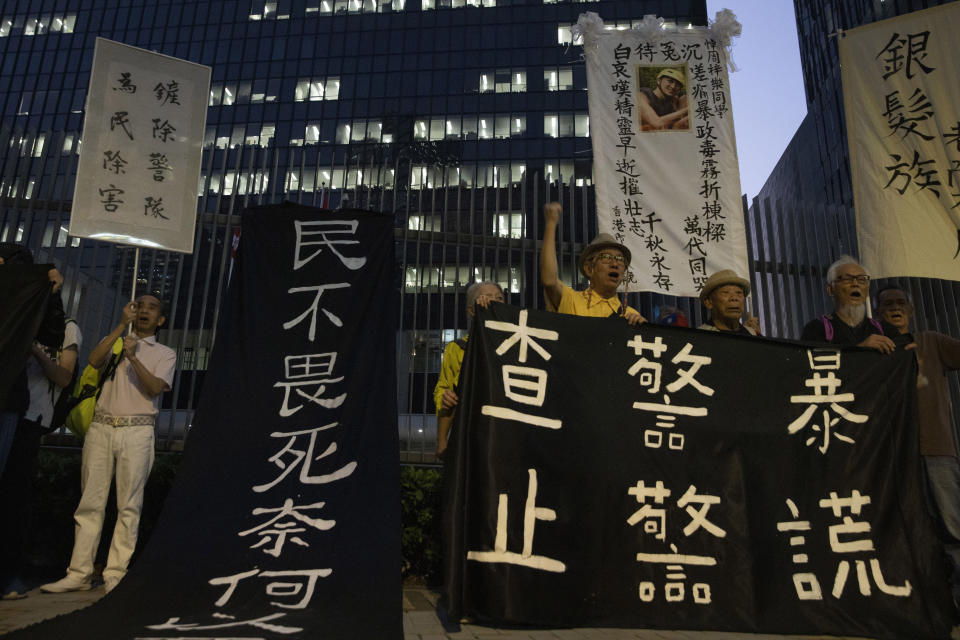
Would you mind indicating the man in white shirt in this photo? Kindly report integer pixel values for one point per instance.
(121, 437)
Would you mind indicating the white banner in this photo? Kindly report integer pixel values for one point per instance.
(664, 153)
(901, 88)
(142, 138)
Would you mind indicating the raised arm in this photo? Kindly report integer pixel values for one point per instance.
(98, 357)
(549, 272)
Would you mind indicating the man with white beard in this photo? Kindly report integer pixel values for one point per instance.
(849, 285)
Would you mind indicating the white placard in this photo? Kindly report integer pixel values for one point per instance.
(142, 140)
(665, 159)
(901, 88)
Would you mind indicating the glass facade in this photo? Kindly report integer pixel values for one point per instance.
(461, 117)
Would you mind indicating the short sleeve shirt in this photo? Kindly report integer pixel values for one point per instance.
(43, 393)
(123, 394)
(586, 303)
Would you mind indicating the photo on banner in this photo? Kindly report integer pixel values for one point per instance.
(672, 198)
(902, 104)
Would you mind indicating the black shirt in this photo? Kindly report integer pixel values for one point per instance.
(843, 334)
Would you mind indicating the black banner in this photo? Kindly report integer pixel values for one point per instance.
(24, 294)
(680, 479)
(284, 521)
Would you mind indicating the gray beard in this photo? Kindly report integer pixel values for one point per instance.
(851, 314)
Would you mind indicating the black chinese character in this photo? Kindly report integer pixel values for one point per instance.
(126, 86)
(112, 161)
(163, 130)
(168, 93)
(896, 60)
(110, 200)
(120, 119)
(159, 164)
(154, 207)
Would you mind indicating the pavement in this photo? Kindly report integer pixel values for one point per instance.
(420, 621)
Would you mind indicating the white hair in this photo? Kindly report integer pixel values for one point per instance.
(842, 260)
(473, 291)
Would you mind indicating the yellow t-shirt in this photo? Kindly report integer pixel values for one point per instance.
(586, 303)
(449, 372)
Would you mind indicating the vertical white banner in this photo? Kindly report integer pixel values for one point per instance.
(901, 89)
(665, 157)
(142, 140)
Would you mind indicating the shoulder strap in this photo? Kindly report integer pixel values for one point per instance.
(876, 325)
(112, 364)
(827, 328)
(461, 343)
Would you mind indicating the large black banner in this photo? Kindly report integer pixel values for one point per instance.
(284, 519)
(24, 294)
(661, 477)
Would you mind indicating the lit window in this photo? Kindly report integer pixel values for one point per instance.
(5, 26)
(34, 28)
(311, 134)
(317, 89)
(508, 225)
(485, 131)
(452, 128)
(565, 37)
(437, 128)
(420, 130)
(425, 5)
(581, 125)
(558, 79)
(486, 82)
(518, 125)
(558, 125)
(423, 223)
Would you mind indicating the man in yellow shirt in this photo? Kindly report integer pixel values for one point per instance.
(445, 393)
(604, 262)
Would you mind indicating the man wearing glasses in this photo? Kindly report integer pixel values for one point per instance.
(604, 262)
(848, 284)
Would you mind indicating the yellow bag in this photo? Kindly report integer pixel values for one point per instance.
(87, 390)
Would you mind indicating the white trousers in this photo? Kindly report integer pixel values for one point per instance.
(130, 451)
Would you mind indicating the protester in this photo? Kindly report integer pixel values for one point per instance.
(48, 373)
(122, 436)
(445, 394)
(604, 262)
(848, 284)
(724, 295)
(14, 392)
(937, 354)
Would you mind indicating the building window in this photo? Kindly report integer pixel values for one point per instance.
(317, 89)
(503, 81)
(261, 138)
(566, 125)
(424, 223)
(565, 37)
(508, 225)
(5, 26)
(558, 78)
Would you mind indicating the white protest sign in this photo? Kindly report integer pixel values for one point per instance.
(665, 157)
(142, 138)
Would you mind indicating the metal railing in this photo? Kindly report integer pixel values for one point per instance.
(455, 223)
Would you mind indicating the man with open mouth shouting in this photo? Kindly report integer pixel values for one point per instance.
(849, 286)
(604, 262)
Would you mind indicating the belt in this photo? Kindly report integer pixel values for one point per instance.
(123, 421)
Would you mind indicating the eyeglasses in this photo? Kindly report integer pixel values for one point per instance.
(852, 279)
(609, 257)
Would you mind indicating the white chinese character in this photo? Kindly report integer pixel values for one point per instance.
(531, 514)
(518, 383)
(524, 335)
(698, 517)
(686, 376)
(276, 589)
(308, 232)
(264, 623)
(824, 393)
(305, 458)
(654, 519)
(312, 311)
(309, 371)
(284, 524)
(649, 370)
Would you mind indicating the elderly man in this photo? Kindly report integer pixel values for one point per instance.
(937, 354)
(445, 393)
(604, 262)
(724, 294)
(848, 284)
(120, 436)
